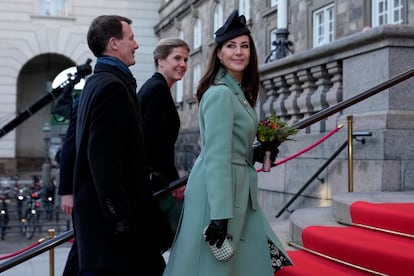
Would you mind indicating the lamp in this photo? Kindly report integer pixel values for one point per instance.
(282, 45)
(46, 138)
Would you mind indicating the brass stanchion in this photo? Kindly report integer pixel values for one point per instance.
(52, 234)
(350, 157)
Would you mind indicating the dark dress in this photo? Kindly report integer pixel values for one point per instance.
(110, 181)
(161, 129)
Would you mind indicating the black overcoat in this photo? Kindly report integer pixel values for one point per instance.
(161, 125)
(110, 180)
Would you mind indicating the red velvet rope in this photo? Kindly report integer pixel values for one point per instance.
(3, 257)
(305, 149)
(21, 250)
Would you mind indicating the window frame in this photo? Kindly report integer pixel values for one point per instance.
(197, 33)
(196, 76)
(49, 7)
(218, 18)
(179, 86)
(245, 9)
(388, 12)
(327, 25)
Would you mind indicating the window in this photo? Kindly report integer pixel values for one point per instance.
(53, 7)
(272, 48)
(181, 34)
(244, 8)
(386, 12)
(196, 77)
(323, 26)
(179, 91)
(197, 33)
(217, 17)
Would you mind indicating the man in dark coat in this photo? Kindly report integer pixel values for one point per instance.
(65, 190)
(118, 225)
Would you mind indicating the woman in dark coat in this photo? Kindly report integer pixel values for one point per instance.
(117, 223)
(161, 121)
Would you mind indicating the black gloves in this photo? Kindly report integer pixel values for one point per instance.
(259, 153)
(122, 231)
(216, 232)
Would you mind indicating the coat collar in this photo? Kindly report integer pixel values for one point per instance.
(223, 77)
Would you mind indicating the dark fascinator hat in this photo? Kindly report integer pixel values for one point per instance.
(235, 25)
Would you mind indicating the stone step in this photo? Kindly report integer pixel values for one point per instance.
(339, 211)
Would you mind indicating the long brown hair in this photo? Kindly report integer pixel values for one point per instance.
(250, 81)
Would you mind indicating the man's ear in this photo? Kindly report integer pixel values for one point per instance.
(112, 44)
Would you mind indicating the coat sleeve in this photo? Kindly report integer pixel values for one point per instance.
(217, 116)
(68, 157)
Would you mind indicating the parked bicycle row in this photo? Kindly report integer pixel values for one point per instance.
(25, 204)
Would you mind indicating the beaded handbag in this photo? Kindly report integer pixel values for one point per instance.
(226, 250)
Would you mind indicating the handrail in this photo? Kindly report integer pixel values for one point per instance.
(37, 250)
(353, 100)
(172, 186)
(324, 165)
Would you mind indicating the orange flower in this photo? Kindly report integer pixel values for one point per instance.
(272, 132)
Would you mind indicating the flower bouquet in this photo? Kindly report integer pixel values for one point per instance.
(271, 133)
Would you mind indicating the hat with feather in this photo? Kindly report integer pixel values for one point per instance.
(234, 26)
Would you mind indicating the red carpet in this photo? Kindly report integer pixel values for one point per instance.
(381, 252)
(385, 253)
(312, 265)
(399, 216)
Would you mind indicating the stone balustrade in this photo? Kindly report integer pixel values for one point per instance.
(304, 83)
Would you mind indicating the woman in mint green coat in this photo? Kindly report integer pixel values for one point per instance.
(221, 193)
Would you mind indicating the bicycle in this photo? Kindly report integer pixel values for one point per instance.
(20, 196)
(4, 212)
(31, 221)
(49, 195)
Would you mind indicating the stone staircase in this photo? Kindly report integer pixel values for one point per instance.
(328, 241)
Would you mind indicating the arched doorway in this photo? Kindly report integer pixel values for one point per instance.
(35, 79)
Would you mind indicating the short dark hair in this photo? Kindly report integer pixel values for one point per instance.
(102, 29)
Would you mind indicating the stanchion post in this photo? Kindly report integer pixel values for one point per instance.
(52, 234)
(350, 157)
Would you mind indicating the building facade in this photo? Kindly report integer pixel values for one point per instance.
(308, 24)
(39, 39)
(333, 50)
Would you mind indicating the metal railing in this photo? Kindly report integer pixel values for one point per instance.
(355, 136)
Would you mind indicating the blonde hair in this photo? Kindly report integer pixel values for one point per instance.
(165, 47)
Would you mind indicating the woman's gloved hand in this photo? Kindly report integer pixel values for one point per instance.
(122, 231)
(216, 232)
(259, 153)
